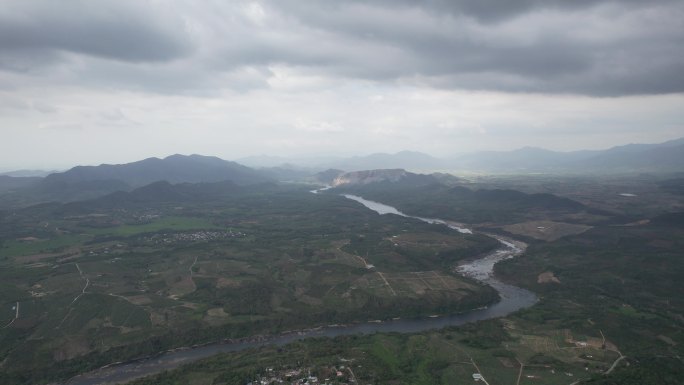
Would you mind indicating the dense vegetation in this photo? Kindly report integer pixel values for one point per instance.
(463, 204)
(135, 273)
(620, 280)
(132, 274)
(609, 298)
(448, 356)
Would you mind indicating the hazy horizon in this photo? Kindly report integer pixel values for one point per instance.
(119, 81)
(311, 157)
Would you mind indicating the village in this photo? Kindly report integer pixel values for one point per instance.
(322, 375)
(195, 236)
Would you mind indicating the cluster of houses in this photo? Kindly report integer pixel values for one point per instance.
(328, 375)
(195, 236)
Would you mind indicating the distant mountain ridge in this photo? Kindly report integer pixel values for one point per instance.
(173, 169)
(655, 158)
(27, 173)
(526, 158)
(659, 157)
(665, 157)
(89, 182)
(408, 160)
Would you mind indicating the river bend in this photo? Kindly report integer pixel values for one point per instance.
(512, 299)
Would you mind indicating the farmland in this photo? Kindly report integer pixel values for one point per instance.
(89, 283)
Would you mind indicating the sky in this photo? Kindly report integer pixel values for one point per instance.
(114, 81)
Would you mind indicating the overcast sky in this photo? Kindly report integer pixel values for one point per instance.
(89, 82)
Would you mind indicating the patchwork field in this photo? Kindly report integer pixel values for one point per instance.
(109, 280)
(545, 230)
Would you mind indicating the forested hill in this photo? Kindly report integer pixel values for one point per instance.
(173, 169)
(463, 204)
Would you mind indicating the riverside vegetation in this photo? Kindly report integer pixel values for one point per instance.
(608, 313)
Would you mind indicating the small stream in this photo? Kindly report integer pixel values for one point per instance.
(512, 299)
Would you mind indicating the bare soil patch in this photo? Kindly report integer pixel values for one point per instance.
(547, 277)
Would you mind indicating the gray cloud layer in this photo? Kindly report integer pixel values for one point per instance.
(120, 30)
(592, 47)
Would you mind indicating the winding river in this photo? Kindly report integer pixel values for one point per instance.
(512, 299)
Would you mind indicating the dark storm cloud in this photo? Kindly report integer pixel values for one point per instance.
(592, 47)
(497, 10)
(121, 30)
(601, 48)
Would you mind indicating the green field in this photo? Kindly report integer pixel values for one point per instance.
(448, 356)
(106, 283)
(615, 295)
(170, 223)
(164, 276)
(12, 248)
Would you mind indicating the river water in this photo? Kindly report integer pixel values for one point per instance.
(512, 299)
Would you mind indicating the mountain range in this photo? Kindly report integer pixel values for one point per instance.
(88, 182)
(173, 169)
(660, 157)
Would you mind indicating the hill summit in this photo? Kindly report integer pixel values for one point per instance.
(173, 169)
